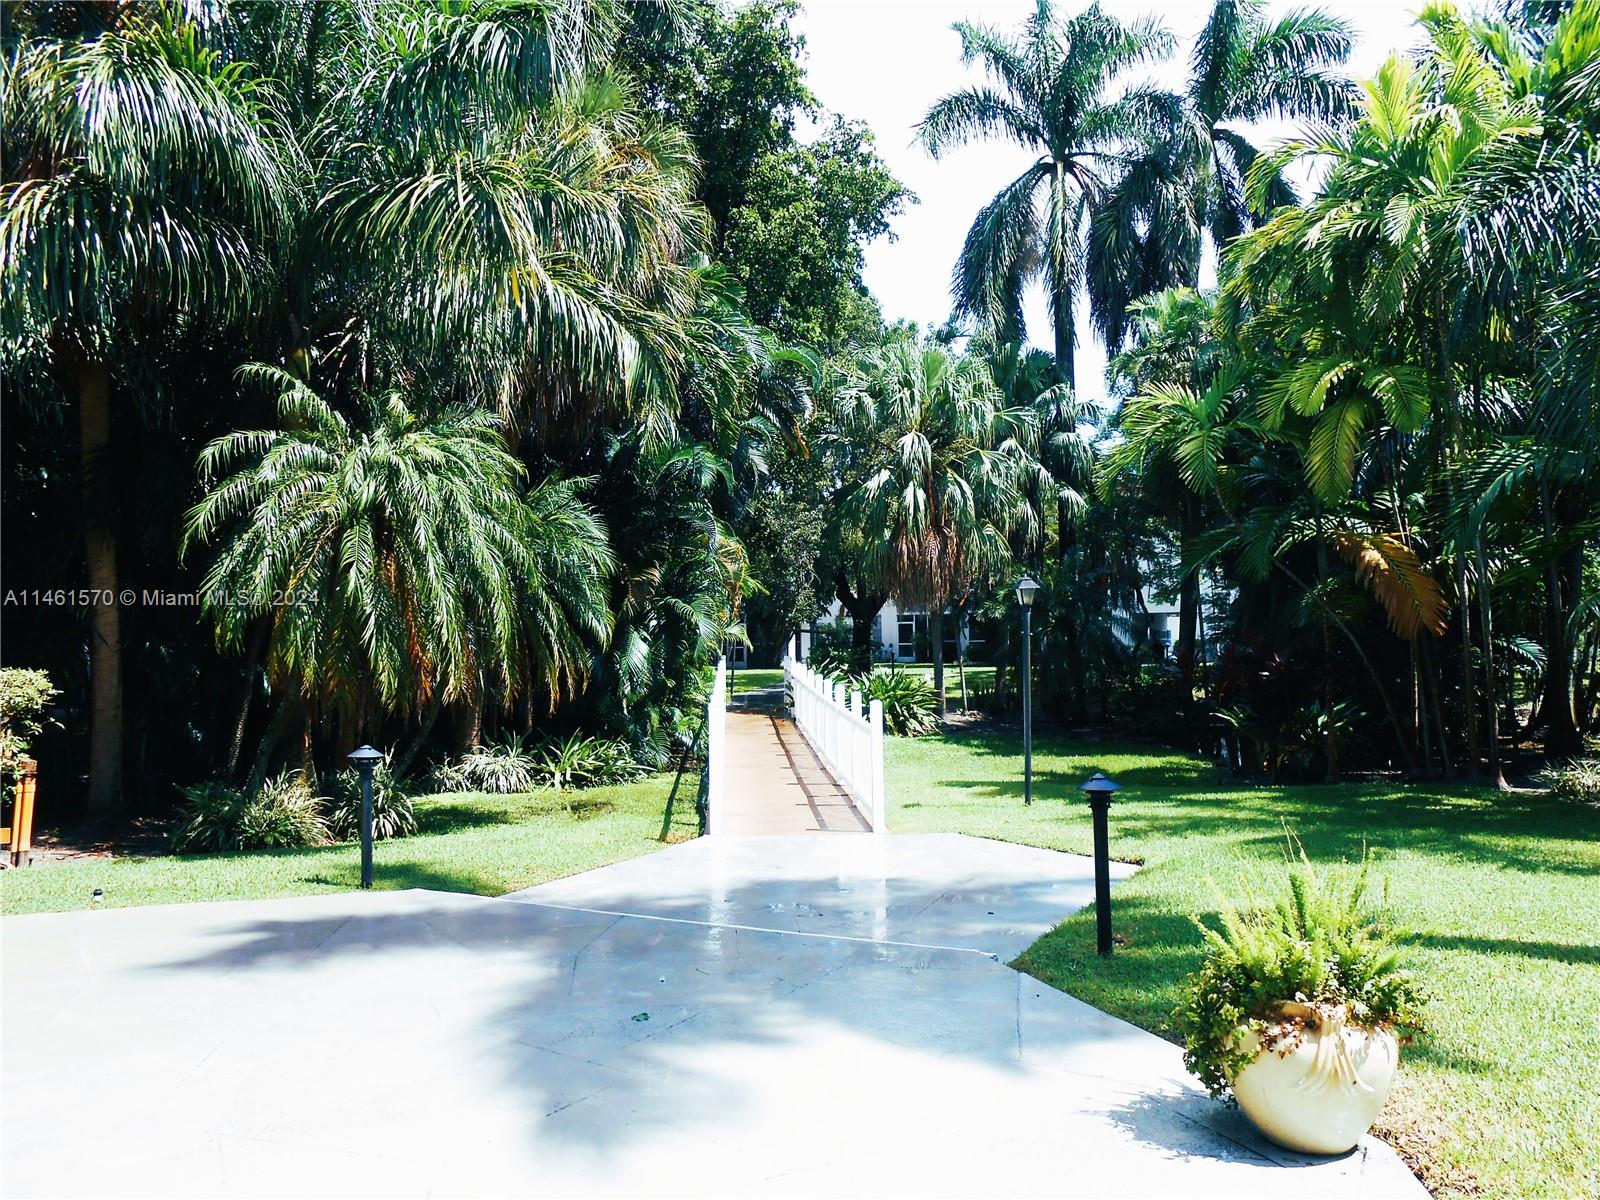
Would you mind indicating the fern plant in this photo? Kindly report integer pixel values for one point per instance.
(1320, 945)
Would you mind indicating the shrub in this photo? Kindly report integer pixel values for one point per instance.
(392, 814)
(586, 762)
(1578, 781)
(1319, 946)
(286, 813)
(910, 706)
(23, 695)
(503, 768)
(510, 767)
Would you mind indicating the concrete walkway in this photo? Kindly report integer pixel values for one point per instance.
(776, 784)
(799, 1016)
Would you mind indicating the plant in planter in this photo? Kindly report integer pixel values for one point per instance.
(1299, 1010)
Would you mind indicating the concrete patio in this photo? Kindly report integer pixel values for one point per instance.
(731, 1017)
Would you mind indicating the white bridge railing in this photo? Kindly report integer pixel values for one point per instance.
(847, 736)
(717, 750)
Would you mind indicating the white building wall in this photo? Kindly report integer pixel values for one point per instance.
(888, 629)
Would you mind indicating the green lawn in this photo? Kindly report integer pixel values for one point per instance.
(977, 677)
(1503, 893)
(468, 843)
(749, 679)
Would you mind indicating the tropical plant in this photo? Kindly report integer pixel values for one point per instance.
(944, 493)
(396, 562)
(1173, 429)
(283, 813)
(1384, 300)
(1052, 91)
(1577, 781)
(585, 762)
(503, 768)
(148, 183)
(392, 813)
(1183, 178)
(1320, 945)
(910, 708)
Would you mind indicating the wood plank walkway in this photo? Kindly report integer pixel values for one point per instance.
(775, 783)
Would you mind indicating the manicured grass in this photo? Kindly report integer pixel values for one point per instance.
(468, 843)
(749, 679)
(1502, 893)
(977, 677)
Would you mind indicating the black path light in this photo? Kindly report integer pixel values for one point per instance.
(366, 760)
(1099, 789)
(1027, 589)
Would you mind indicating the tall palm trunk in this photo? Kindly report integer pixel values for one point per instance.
(936, 635)
(1063, 243)
(1188, 627)
(1562, 739)
(105, 630)
(1497, 776)
(252, 662)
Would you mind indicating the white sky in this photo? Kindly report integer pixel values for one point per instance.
(886, 61)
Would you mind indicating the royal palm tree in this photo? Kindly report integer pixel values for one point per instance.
(1050, 93)
(396, 559)
(1184, 178)
(148, 184)
(940, 505)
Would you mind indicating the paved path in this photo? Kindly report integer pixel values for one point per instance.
(776, 784)
(798, 1016)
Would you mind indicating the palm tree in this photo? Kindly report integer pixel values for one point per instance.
(1375, 289)
(941, 504)
(1050, 95)
(396, 561)
(147, 183)
(1173, 428)
(1187, 178)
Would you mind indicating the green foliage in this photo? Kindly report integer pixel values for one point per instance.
(392, 812)
(1321, 946)
(23, 696)
(502, 768)
(585, 762)
(511, 766)
(910, 705)
(796, 241)
(391, 556)
(791, 218)
(1052, 89)
(1286, 737)
(284, 813)
(1577, 781)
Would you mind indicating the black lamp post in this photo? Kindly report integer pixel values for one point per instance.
(366, 760)
(1098, 788)
(1027, 589)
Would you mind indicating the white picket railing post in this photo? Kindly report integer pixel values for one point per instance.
(717, 749)
(858, 752)
(875, 768)
(846, 731)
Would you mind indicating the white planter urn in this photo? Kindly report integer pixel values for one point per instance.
(1317, 1084)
